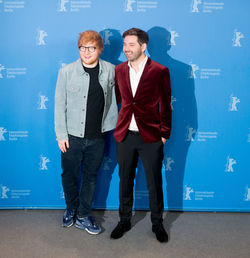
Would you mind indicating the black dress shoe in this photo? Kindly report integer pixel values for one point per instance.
(160, 233)
(120, 229)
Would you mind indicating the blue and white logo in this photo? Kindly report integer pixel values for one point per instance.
(247, 194)
(194, 6)
(11, 6)
(168, 161)
(72, 5)
(173, 99)
(187, 193)
(107, 35)
(4, 190)
(61, 5)
(139, 6)
(190, 134)
(193, 70)
(229, 164)
(233, 102)
(206, 6)
(128, 5)
(41, 101)
(2, 132)
(12, 72)
(43, 162)
(204, 73)
(174, 35)
(41, 34)
(1, 69)
(237, 37)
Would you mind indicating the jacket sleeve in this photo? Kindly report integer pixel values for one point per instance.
(117, 90)
(110, 108)
(165, 104)
(61, 107)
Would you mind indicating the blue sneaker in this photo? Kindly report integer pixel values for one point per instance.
(89, 224)
(69, 217)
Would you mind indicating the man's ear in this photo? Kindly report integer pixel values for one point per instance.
(100, 51)
(144, 46)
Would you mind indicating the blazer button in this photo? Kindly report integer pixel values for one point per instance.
(82, 123)
(134, 103)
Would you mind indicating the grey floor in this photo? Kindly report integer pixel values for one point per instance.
(37, 233)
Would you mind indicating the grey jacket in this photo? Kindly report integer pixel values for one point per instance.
(71, 99)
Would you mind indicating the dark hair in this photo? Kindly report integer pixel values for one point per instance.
(141, 35)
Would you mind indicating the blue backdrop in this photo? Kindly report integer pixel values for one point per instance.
(205, 44)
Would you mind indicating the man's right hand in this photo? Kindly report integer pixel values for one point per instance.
(63, 145)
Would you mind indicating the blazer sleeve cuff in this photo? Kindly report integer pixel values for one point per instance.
(165, 134)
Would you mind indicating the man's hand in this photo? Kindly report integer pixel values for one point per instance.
(163, 140)
(63, 145)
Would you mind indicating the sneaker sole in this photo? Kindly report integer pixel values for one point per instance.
(67, 226)
(90, 232)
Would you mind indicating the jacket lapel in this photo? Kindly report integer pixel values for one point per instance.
(144, 73)
(127, 79)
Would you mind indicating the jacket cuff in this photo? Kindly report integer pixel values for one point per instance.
(61, 137)
(165, 134)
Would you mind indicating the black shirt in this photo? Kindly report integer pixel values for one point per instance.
(95, 105)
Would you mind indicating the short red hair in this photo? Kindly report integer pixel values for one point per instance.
(90, 36)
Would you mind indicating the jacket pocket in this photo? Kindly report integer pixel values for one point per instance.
(73, 88)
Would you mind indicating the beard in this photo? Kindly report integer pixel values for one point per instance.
(133, 56)
(89, 61)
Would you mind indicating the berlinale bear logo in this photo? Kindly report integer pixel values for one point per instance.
(2, 132)
(4, 190)
(41, 34)
(43, 163)
(128, 5)
(194, 6)
(61, 5)
(236, 38)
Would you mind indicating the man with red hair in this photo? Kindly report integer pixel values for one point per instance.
(85, 108)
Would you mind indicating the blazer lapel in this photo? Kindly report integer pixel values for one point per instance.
(144, 73)
(127, 79)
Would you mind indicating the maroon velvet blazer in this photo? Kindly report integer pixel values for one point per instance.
(151, 104)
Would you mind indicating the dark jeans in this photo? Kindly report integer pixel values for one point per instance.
(151, 155)
(83, 155)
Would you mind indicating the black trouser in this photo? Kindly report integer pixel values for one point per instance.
(86, 154)
(151, 155)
